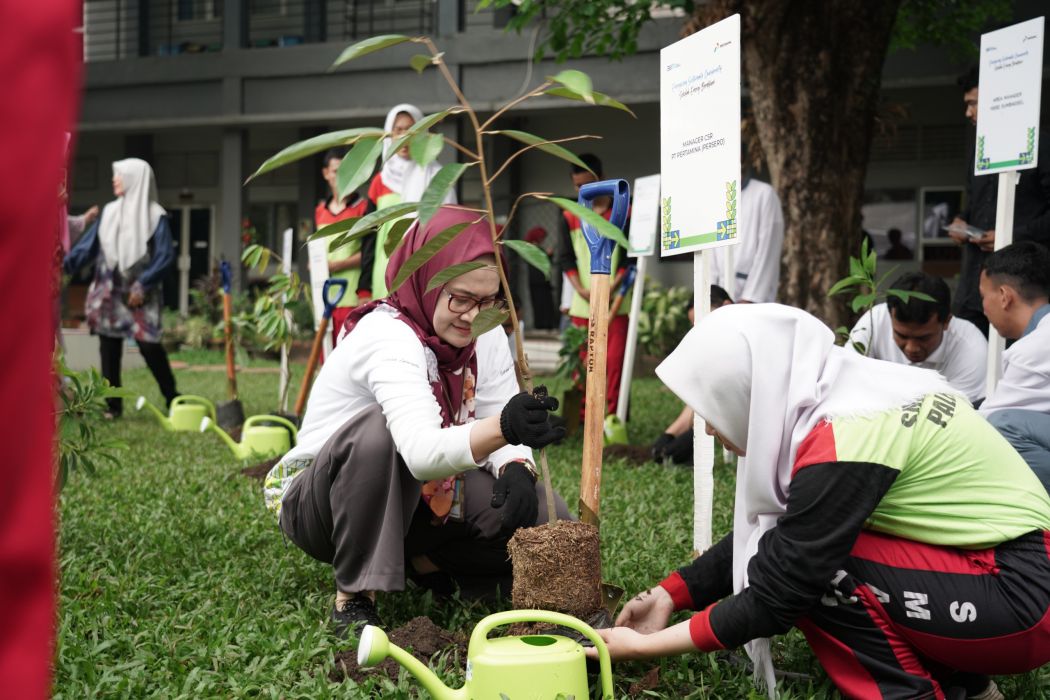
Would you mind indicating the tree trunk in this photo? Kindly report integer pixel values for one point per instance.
(814, 71)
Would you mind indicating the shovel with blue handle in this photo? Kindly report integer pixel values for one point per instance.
(601, 250)
(229, 415)
(333, 292)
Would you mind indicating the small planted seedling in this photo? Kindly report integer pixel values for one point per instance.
(867, 291)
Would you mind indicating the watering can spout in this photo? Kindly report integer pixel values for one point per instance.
(141, 403)
(208, 424)
(374, 646)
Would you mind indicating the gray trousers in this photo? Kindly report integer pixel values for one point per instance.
(358, 508)
(1029, 433)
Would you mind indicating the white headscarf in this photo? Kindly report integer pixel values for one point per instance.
(403, 175)
(128, 221)
(763, 376)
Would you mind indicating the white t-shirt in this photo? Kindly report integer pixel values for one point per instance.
(756, 259)
(1026, 374)
(383, 362)
(961, 357)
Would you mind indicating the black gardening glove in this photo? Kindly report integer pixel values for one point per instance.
(526, 419)
(515, 492)
(659, 448)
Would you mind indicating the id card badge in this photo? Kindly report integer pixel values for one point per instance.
(458, 510)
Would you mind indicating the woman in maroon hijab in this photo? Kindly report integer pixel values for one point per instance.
(414, 456)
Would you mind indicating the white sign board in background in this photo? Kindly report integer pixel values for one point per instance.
(317, 259)
(700, 176)
(645, 215)
(700, 139)
(1008, 98)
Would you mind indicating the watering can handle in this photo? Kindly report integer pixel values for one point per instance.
(481, 633)
(190, 398)
(284, 422)
(601, 248)
(340, 286)
(227, 276)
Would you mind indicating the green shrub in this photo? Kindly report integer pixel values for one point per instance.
(664, 318)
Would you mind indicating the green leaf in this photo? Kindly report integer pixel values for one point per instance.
(862, 300)
(420, 61)
(599, 222)
(843, 284)
(856, 269)
(871, 263)
(543, 145)
(429, 250)
(419, 127)
(395, 234)
(426, 147)
(313, 145)
(577, 82)
(257, 257)
(486, 320)
(532, 254)
(367, 46)
(451, 272)
(600, 99)
(358, 165)
(378, 218)
(334, 228)
(439, 185)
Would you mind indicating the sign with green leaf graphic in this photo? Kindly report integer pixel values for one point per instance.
(1008, 98)
(700, 139)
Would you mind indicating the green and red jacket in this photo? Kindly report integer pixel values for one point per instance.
(933, 472)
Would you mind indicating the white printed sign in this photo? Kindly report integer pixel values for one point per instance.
(645, 211)
(1008, 98)
(317, 256)
(700, 139)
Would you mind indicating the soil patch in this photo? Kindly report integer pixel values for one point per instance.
(260, 470)
(557, 567)
(420, 636)
(635, 455)
(647, 682)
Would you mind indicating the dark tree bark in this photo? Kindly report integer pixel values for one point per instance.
(813, 70)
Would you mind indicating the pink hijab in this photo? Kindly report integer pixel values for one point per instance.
(416, 306)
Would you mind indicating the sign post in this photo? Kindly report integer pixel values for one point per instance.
(642, 237)
(700, 184)
(1008, 131)
(286, 268)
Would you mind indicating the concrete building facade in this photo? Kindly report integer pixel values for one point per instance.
(206, 90)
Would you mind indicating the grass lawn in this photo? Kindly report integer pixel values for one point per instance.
(176, 582)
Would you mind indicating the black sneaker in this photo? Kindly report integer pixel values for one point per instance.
(354, 613)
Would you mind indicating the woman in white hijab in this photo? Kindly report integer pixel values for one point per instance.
(400, 180)
(875, 510)
(131, 248)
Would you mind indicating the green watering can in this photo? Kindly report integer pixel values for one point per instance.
(186, 412)
(615, 430)
(534, 667)
(262, 437)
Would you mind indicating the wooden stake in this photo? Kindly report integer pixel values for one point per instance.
(594, 406)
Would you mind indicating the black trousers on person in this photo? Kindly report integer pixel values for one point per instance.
(358, 508)
(112, 349)
(904, 618)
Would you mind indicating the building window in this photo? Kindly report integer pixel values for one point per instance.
(267, 8)
(196, 10)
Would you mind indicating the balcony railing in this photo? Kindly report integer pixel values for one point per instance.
(118, 29)
(291, 22)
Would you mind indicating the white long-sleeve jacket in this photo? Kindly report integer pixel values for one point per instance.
(383, 362)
